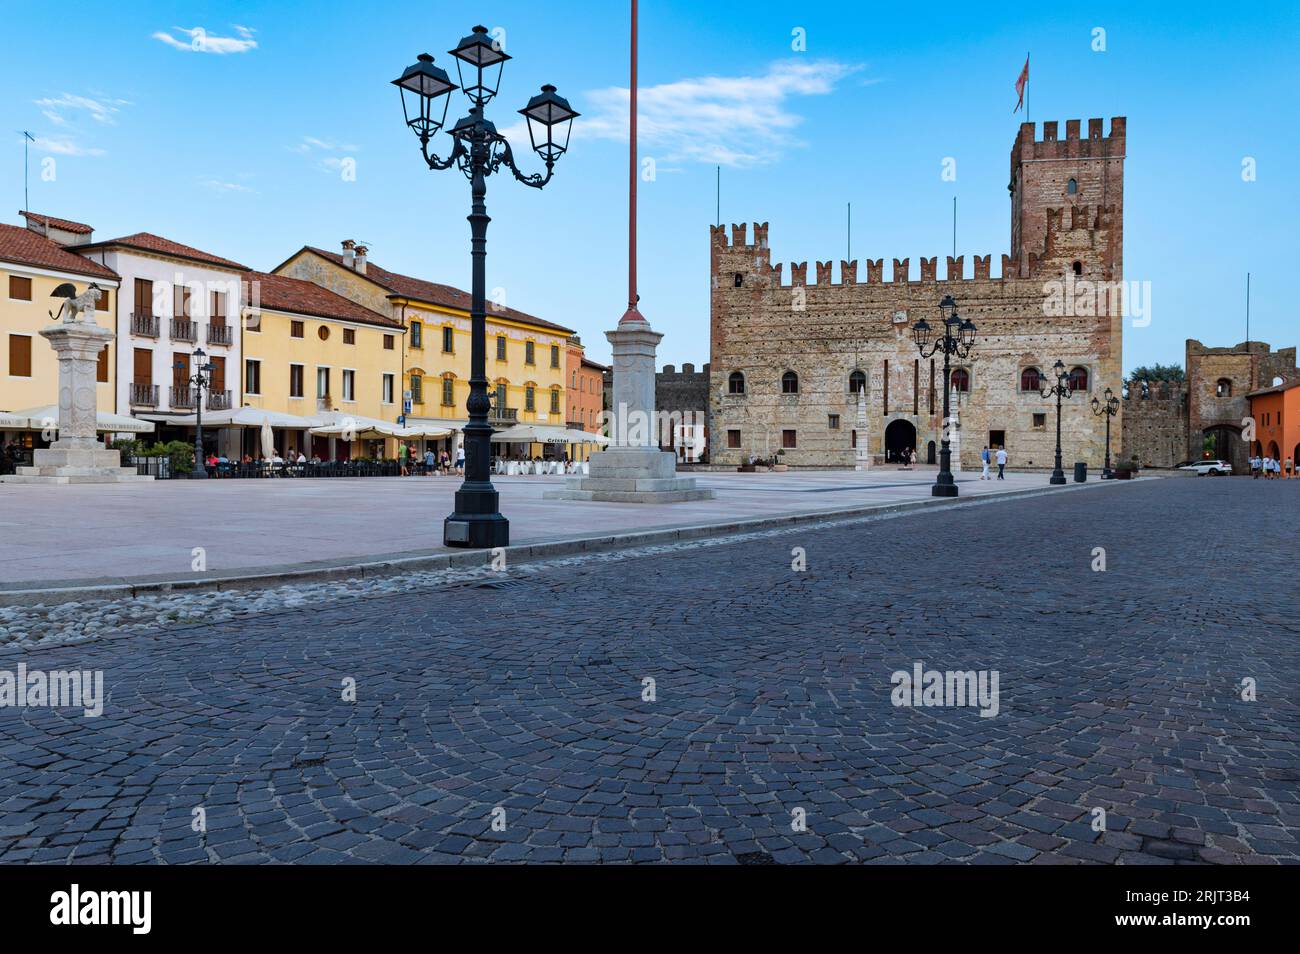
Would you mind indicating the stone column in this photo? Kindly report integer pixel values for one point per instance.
(77, 456)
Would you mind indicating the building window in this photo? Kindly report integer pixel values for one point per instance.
(555, 356)
(960, 380)
(417, 389)
(448, 340)
(529, 353)
(349, 336)
(20, 356)
(530, 395)
(252, 376)
(787, 440)
(501, 347)
(733, 439)
(789, 383)
(501, 396)
(448, 392)
(388, 389)
(20, 289)
(101, 303)
(295, 380)
(1040, 422)
(575, 381)
(1078, 268)
(181, 301)
(1078, 379)
(101, 366)
(555, 400)
(736, 383)
(857, 382)
(218, 312)
(349, 385)
(388, 342)
(1072, 187)
(997, 439)
(833, 422)
(323, 333)
(1030, 380)
(853, 439)
(417, 335)
(738, 280)
(322, 382)
(295, 329)
(1223, 388)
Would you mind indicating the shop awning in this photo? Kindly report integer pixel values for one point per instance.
(542, 434)
(38, 418)
(250, 417)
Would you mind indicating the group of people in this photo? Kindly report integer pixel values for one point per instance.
(11, 455)
(987, 457)
(1270, 468)
(409, 459)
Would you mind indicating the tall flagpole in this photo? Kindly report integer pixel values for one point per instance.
(632, 297)
(27, 137)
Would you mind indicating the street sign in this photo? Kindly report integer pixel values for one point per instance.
(406, 407)
(401, 420)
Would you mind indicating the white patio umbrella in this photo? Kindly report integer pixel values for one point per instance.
(35, 418)
(268, 438)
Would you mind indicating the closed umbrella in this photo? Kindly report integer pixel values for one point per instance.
(268, 439)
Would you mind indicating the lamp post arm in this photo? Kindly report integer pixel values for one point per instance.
(505, 156)
(439, 164)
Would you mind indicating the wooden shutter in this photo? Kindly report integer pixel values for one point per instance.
(218, 316)
(218, 380)
(143, 367)
(20, 289)
(101, 366)
(20, 356)
(180, 371)
(143, 297)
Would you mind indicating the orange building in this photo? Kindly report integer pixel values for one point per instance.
(1276, 411)
(584, 399)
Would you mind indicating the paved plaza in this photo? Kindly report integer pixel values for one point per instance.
(135, 531)
(525, 702)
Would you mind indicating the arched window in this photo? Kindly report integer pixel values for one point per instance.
(738, 279)
(736, 383)
(1078, 379)
(1078, 268)
(857, 382)
(960, 379)
(789, 383)
(1072, 187)
(1223, 388)
(1030, 379)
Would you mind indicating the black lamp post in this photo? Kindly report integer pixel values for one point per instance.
(958, 338)
(478, 151)
(1061, 389)
(198, 380)
(1110, 408)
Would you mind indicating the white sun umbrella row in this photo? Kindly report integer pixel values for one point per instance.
(39, 418)
(328, 424)
(542, 434)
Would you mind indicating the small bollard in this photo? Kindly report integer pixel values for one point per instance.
(1080, 472)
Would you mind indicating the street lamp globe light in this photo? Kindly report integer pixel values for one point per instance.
(921, 333)
(426, 84)
(550, 120)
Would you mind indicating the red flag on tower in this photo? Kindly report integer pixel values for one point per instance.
(1020, 84)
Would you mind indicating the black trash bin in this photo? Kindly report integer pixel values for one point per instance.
(1080, 472)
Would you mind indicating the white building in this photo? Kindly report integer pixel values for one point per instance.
(174, 301)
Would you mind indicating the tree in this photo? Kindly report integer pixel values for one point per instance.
(1157, 372)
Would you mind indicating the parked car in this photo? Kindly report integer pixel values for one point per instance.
(1212, 467)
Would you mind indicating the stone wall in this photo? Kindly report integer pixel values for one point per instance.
(1218, 380)
(1155, 423)
(1053, 300)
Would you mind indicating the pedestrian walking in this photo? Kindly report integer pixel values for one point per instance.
(1288, 468)
(1002, 462)
(984, 459)
(403, 456)
(1254, 467)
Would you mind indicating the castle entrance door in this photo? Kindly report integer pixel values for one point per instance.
(900, 435)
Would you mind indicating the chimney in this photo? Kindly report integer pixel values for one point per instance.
(349, 256)
(360, 265)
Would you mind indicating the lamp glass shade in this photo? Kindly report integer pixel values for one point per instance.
(921, 333)
(968, 332)
(550, 121)
(485, 58)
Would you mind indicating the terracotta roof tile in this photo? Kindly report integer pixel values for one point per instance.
(22, 246)
(281, 293)
(433, 293)
(66, 225)
(148, 242)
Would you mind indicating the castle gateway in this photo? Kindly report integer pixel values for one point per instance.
(787, 359)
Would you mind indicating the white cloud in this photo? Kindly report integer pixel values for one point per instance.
(100, 109)
(310, 145)
(218, 185)
(201, 41)
(719, 120)
(64, 147)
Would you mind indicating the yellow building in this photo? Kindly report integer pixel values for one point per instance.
(309, 352)
(33, 262)
(526, 363)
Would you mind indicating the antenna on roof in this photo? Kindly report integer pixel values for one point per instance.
(27, 137)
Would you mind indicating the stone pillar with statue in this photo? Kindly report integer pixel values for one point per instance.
(77, 456)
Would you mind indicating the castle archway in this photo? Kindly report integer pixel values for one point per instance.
(1226, 444)
(900, 435)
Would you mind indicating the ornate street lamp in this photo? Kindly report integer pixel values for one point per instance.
(1110, 408)
(957, 337)
(198, 380)
(478, 151)
(1061, 389)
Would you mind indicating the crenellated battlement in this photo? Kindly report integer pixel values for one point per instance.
(1082, 217)
(1050, 145)
(718, 236)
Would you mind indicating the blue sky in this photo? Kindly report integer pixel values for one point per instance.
(240, 152)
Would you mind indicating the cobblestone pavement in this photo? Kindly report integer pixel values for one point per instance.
(1119, 690)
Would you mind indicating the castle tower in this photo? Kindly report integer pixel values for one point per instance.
(1082, 177)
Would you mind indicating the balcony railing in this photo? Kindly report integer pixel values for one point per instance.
(144, 395)
(218, 401)
(220, 335)
(183, 329)
(182, 396)
(503, 415)
(146, 326)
